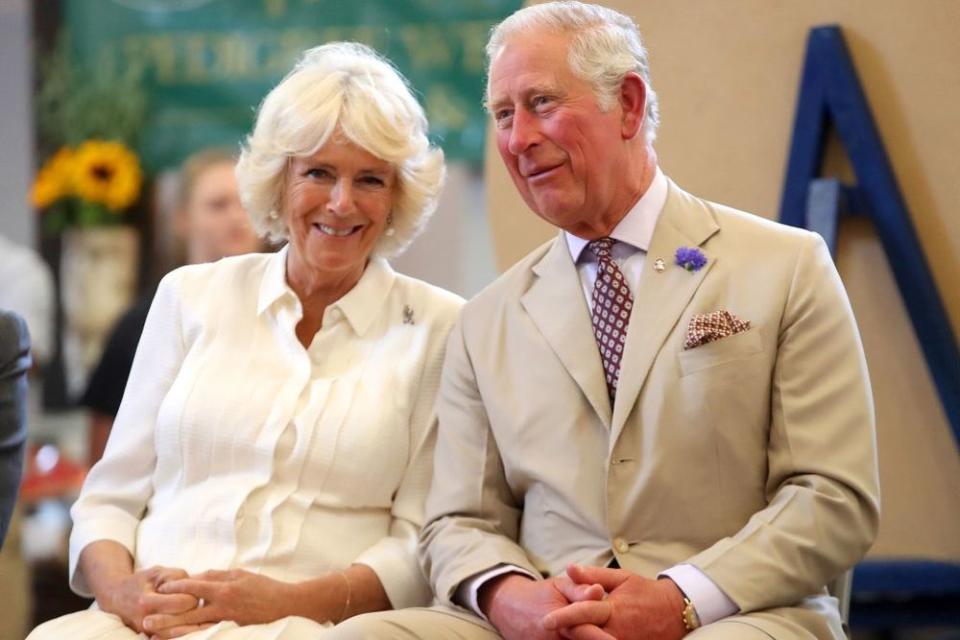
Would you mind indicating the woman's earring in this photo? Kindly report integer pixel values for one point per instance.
(390, 230)
(273, 214)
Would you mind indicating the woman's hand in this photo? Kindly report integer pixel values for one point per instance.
(132, 595)
(236, 595)
(135, 596)
(248, 598)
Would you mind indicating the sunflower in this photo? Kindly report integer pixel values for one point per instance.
(107, 173)
(53, 180)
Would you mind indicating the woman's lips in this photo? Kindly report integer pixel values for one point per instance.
(335, 232)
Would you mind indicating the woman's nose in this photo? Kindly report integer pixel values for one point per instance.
(341, 198)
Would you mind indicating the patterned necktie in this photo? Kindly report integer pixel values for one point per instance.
(612, 303)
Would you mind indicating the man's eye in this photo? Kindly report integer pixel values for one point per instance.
(541, 101)
(502, 117)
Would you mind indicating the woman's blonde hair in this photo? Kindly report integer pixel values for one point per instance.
(347, 88)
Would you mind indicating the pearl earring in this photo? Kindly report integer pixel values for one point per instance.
(390, 230)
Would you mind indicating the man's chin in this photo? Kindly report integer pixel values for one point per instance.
(558, 214)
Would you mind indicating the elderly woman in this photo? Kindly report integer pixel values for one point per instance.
(266, 473)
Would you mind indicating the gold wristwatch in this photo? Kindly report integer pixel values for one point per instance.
(690, 618)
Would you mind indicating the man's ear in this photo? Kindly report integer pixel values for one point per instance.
(633, 103)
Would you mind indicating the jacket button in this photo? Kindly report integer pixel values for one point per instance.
(620, 545)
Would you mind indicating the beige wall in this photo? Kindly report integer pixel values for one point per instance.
(727, 76)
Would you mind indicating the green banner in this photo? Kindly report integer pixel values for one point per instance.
(208, 63)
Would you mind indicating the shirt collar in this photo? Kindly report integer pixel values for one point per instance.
(364, 303)
(360, 306)
(274, 286)
(636, 228)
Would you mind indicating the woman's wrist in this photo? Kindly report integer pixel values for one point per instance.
(106, 566)
(348, 601)
(321, 599)
(105, 591)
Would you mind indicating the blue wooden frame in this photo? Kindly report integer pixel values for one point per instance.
(830, 92)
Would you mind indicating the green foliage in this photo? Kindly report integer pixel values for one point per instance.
(74, 212)
(77, 103)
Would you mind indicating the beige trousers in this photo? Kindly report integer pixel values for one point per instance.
(441, 623)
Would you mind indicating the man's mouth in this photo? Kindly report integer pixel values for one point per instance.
(536, 172)
(335, 232)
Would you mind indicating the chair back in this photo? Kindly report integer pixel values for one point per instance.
(840, 589)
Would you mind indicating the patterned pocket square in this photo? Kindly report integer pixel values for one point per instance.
(707, 327)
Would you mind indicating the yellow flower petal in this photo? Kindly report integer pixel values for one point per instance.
(107, 173)
(54, 180)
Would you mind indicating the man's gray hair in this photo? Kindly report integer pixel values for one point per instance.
(605, 46)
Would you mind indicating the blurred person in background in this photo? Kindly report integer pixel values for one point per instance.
(266, 473)
(26, 288)
(209, 223)
(14, 364)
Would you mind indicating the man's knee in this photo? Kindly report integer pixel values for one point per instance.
(413, 624)
(384, 624)
(730, 630)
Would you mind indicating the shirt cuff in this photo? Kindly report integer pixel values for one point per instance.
(119, 527)
(710, 602)
(467, 594)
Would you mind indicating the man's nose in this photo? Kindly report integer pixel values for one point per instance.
(524, 132)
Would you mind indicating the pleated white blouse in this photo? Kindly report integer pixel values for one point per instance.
(235, 447)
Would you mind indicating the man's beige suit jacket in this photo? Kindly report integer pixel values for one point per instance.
(752, 457)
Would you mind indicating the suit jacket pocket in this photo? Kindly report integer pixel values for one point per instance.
(736, 347)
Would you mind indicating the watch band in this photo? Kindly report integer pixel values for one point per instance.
(690, 618)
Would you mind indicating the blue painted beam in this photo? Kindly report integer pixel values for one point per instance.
(826, 202)
(831, 93)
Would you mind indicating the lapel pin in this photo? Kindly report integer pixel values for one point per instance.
(407, 314)
(659, 265)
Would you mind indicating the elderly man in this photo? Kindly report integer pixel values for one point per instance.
(657, 423)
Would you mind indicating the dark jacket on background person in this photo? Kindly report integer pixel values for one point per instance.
(14, 363)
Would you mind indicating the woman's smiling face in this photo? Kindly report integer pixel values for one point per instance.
(336, 204)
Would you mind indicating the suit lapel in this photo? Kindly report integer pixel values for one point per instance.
(661, 297)
(556, 304)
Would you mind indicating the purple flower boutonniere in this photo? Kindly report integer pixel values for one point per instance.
(690, 258)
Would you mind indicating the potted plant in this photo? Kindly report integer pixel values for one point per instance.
(86, 191)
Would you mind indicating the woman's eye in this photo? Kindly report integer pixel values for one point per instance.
(317, 173)
(372, 181)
